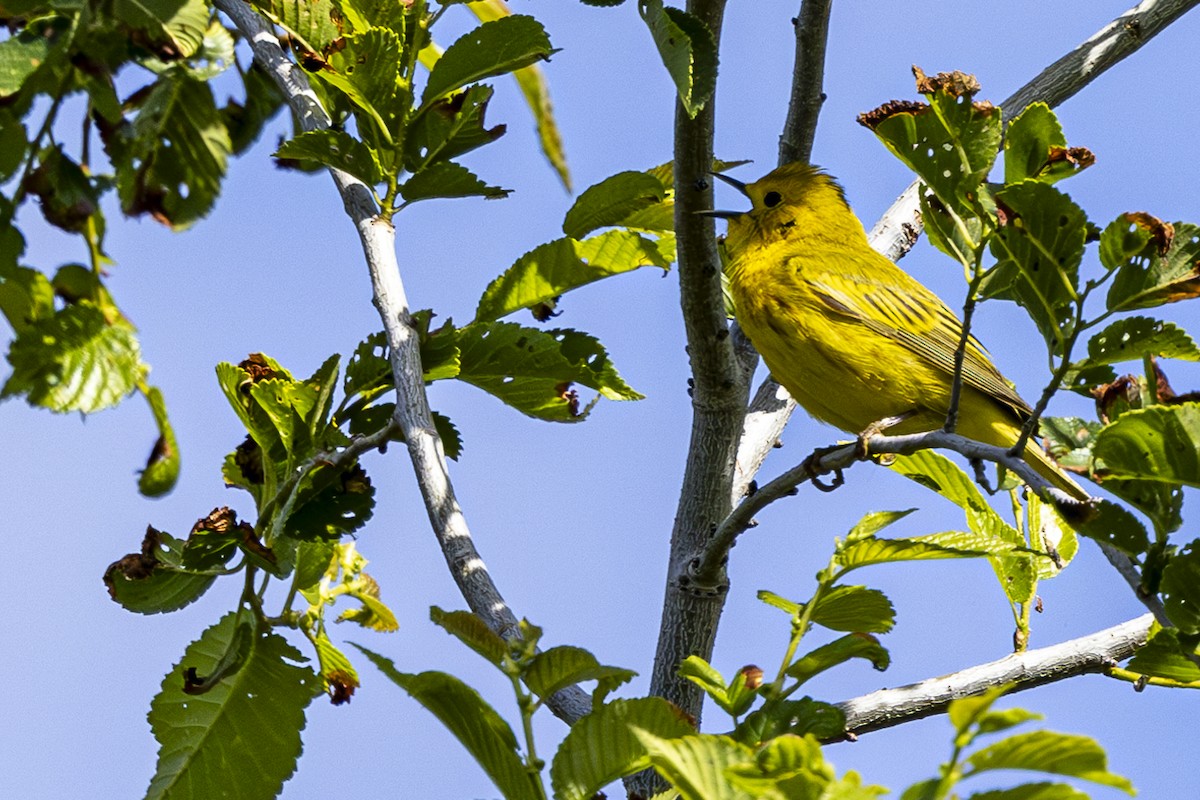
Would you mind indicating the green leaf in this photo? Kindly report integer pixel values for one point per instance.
(69, 197)
(853, 645)
(26, 296)
(1014, 569)
(313, 560)
(20, 57)
(447, 179)
(331, 503)
(923, 790)
(473, 632)
(336, 149)
(1033, 791)
(1115, 525)
(1036, 149)
(313, 22)
(602, 746)
(1133, 338)
(950, 143)
(855, 609)
(557, 267)
(1129, 237)
(337, 673)
(705, 675)
(1054, 753)
(1180, 588)
(449, 127)
(532, 370)
(373, 614)
(162, 468)
(204, 739)
(957, 236)
(171, 161)
(1159, 275)
(1158, 443)
(476, 725)
(366, 67)
(563, 666)
(697, 765)
(1165, 656)
(782, 603)
(688, 50)
(75, 360)
(965, 711)
(951, 544)
(1040, 244)
(147, 583)
(1069, 440)
(997, 721)
(875, 521)
(612, 200)
(174, 28)
(494, 48)
(796, 717)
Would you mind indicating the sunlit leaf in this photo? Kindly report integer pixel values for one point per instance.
(696, 765)
(1180, 588)
(1158, 443)
(688, 50)
(162, 468)
(1154, 277)
(494, 48)
(472, 631)
(563, 666)
(1054, 753)
(1165, 656)
(854, 645)
(855, 609)
(201, 736)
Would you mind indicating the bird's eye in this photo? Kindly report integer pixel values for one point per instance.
(772, 199)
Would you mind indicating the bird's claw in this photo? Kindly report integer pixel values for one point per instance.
(862, 447)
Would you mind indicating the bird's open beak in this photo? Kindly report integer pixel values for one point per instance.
(735, 183)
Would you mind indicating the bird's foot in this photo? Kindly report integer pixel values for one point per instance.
(862, 447)
(816, 469)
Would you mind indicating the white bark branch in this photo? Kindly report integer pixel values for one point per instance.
(413, 414)
(1097, 652)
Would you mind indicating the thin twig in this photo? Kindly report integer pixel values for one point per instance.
(808, 76)
(1097, 652)
(412, 415)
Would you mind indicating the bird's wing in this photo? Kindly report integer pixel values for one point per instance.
(890, 302)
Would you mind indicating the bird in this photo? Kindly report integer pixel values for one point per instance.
(853, 338)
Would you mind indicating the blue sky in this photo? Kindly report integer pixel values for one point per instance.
(573, 521)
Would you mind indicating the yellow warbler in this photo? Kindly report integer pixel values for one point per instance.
(854, 338)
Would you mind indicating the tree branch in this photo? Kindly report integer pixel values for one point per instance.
(1097, 652)
(719, 392)
(412, 415)
(808, 75)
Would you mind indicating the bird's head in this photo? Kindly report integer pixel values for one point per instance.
(796, 199)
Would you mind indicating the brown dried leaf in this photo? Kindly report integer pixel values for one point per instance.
(957, 83)
(872, 119)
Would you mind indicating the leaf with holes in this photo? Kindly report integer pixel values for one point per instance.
(1156, 278)
(1158, 443)
(448, 128)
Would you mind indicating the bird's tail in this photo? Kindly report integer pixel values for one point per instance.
(1048, 469)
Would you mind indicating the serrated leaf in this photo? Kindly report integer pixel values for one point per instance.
(532, 370)
(563, 666)
(957, 236)
(312, 21)
(331, 503)
(951, 143)
(1036, 149)
(854, 645)
(204, 739)
(688, 50)
(557, 267)
(447, 179)
(473, 632)
(602, 746)
(75, 360)
(337, 673)
(996, 721)
(372, 614)
(1054, 753)
(855, 609)
(697, 765)
(1180, 588)
(245, 119)
(1165, 656)
(174, 28)
(1154, 279)
(162, 468)
(337, 149)
(313, 560)
(780, 602)
(20, 57)
(1041, 243)
(365, 67)
(448, 128)
(1069, 440)
(171, 161)
(875, 521)
(1133, 338)
(153, 581)
(476, 725)
(494, 48)
(613, 200)
(1158, 443)
(1129, 237)
(26, 295)
(1115, 525)
(1033, 791)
